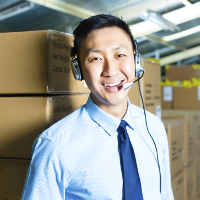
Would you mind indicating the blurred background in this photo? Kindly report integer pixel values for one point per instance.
(166, 30)
(37, 87)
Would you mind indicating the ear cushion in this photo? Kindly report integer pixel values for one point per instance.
(138, 68)
(76, 69)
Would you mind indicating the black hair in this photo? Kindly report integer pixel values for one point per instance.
(97, 22)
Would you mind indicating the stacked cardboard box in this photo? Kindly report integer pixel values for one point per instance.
(191, 142)
(150, 88)
(183, 72)
(196, 175)
(24, 118)
(167, 97)
(178, 186)
(37, 89)
(181, 90)
(196, 170)
(12, 176)
(174, 129)
(187, 98)
(181, 95)
(37, 62)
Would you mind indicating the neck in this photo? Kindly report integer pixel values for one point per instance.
(115, 110)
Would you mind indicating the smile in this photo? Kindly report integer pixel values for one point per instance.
(112, 84)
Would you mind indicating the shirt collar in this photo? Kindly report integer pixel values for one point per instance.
(108, 122)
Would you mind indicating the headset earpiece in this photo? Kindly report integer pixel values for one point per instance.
(138, 68)
(76, 67)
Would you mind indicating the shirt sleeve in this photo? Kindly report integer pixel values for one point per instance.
(45, 178)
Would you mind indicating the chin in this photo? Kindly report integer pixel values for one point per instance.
(116, 101)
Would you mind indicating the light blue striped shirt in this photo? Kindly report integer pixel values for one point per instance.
(78, 158)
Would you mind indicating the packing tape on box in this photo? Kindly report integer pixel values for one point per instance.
(186, 84)
(171, 83)
(196, 66)
(195, 81)
(154, 60)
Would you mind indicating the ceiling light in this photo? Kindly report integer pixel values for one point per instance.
(64, 7)
(185, 2)
(14, 10)
(182, 34)
(180, 56)
(159, 20)
(160, 51)
(179, 16)
(193, 1)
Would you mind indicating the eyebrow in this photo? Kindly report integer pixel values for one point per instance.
(93, 50)
(99, 51)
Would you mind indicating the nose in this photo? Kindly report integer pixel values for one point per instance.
(110, 67)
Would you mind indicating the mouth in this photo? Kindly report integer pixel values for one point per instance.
(113, 84)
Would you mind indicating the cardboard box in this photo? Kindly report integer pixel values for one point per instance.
(167, 97)
(196, 176)
(150, 88)
(174, 130)
(197, 135)
(182, 73)
(187, 98)
(22, 119)
(177, 186)
(37, 62)
(190, 123)
(188, 182)
(12, 177)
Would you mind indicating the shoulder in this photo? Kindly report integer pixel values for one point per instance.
(139, 112)
(154, 123)
(62, 129)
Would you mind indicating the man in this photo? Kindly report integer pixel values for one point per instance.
(81, 157)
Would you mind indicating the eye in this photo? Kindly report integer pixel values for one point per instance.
(95, 59)
(120, 55)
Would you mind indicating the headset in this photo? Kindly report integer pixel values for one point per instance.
(139, 72)
(138, 67)
(76, 65)
(77, 71)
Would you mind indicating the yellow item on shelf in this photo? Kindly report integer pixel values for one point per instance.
(166, 67)
(170, 83)
(195, 81)
(154, 60)
(196, 66)
(187, 84)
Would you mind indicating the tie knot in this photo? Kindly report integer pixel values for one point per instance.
(122, 126)
(122, 133)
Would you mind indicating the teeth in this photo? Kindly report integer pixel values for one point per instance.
(112, 84)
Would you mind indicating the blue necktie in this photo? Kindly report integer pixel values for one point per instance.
(131, 180)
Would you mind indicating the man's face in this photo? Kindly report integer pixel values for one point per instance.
(107, 62)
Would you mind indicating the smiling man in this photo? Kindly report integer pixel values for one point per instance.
(108, 62)
(102, 151)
